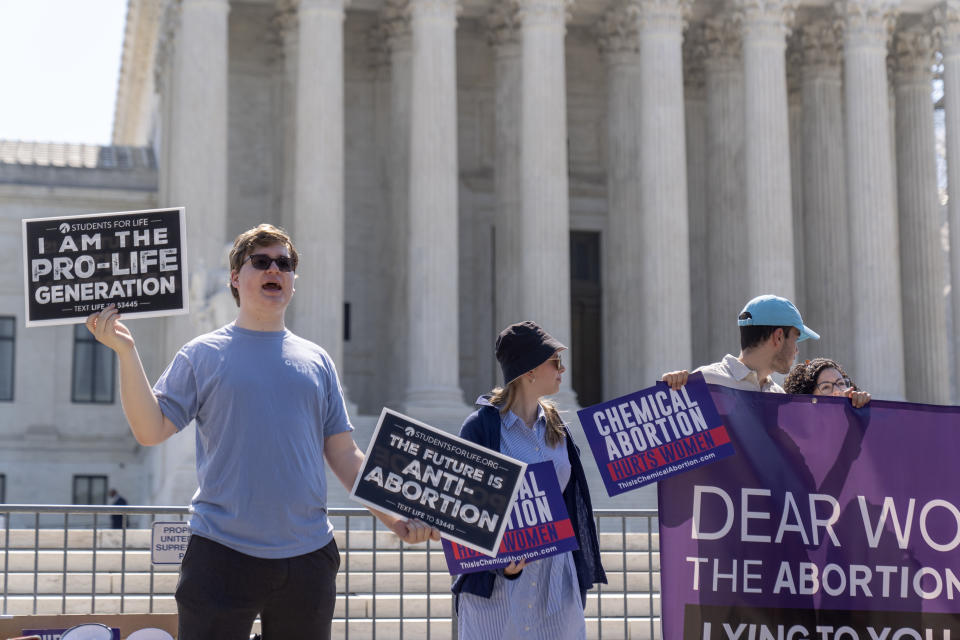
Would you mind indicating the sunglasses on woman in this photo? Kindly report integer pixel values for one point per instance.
(262, 262)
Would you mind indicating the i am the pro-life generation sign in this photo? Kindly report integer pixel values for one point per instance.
(76, 265)
(654, 433)
(459, 488)
(537, 526)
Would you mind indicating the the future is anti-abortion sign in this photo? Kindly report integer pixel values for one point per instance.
(537, 527)
(461, 489)
(654, 433)
(830, 523)
(77, 265)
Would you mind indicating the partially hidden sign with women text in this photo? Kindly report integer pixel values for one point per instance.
(655, 433)
(77, 265)
(459, 488)
(537, 527)
(830, 523)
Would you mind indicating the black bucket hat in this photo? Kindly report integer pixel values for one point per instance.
(524, 346)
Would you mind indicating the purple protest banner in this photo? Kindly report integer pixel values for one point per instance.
(538, 526)
(654, 433)
(831, 523)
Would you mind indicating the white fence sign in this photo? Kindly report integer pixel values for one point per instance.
(169, 542)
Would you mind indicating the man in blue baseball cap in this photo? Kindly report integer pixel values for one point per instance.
(770, 328)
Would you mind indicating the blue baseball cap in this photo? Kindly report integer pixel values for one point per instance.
(774, 311)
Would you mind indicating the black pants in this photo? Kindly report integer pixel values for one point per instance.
(221, 592)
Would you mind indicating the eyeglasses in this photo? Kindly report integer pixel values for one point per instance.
(262, 262)
(558, 361)
(827, 386)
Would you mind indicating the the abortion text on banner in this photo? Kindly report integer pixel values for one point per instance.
(654, 433)
(537, 526)
(168, 542)
(459, 488)
(76, 265)
(830, 523)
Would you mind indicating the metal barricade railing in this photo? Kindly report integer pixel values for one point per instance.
(67, 559)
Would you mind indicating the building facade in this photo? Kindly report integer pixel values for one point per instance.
(625, 173)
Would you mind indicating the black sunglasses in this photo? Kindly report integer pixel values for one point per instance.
(262, 262)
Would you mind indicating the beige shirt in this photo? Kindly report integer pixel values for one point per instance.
(732, 373)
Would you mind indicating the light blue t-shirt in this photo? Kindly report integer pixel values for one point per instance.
(264, 402)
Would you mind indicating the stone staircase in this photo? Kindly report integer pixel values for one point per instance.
(383, 592)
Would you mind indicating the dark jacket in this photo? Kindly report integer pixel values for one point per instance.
(483, 428)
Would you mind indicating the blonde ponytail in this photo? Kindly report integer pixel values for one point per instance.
(505, 397)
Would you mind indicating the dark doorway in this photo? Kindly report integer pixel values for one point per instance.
(585, 303)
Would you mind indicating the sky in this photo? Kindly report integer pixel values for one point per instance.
(59, 63)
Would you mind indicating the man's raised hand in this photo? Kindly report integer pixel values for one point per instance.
(106, 327)
(676, 379)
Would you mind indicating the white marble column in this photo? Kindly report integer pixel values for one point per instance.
(385, 240)
(433, 363)
(622, 344)
(767, 146)
(319, 189)
(892, 104)
(544, 207)
(726, 218)
(874, 250)
(197, 155)
(947, 18)
(665, 261)
(921, 261)
(194, 175)
(504, 36)
(695, 119)
(794, 60)
(829, 296)
(396, 22)
(286, 34)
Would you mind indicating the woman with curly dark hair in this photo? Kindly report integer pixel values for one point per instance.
(824, 377)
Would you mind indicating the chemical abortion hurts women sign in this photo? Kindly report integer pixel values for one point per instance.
(654, 433)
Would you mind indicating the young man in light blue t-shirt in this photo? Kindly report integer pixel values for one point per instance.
(270, 418)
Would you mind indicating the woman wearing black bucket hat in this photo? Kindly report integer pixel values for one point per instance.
(544, 599)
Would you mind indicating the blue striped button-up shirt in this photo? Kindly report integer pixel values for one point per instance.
(544, 602)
